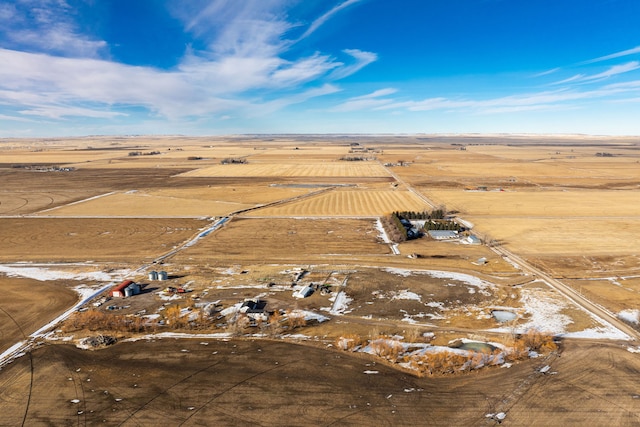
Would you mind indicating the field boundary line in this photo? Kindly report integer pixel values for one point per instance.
(76, 202)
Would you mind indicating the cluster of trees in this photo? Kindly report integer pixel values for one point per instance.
(233, 160)
(396, 232)
(353, 158)
(276, 323)
(140, 153)
(95, 320)
(442, 225)
(449, 362)
(438, 213)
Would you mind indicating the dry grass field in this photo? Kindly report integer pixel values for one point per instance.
(570, 207)
(186, 202)
(287, 240)
(116, 240)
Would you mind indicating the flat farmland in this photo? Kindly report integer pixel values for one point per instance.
(26, 303)
(57, 156)
(335, 169)
(617, 293)
(26, 202)
(347, 203)
(569, 204)
(284, 239)
(264, 382)
(566, 208)
(557, 236)
(97, 239)
(536, 168)
(186, 202)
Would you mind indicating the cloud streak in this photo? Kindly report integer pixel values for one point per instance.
(242, 69)
(328, 15)
(620, 54)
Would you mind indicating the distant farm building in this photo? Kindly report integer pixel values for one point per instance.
(255, 309)
(127, 288)
(472, 240)
(304, 292)
(443, 234)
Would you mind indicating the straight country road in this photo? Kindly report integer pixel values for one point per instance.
(569, 293)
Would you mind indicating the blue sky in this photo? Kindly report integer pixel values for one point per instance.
(211, 67)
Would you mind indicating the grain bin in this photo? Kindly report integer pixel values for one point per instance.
(163, 275)
(153, 275)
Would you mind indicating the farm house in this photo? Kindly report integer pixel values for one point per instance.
(255, 309)
(125, 289)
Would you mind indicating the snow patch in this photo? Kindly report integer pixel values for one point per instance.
(630, 316)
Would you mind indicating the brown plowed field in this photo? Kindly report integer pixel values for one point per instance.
(185, 382)
(27, 304)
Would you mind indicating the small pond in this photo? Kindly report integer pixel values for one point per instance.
(478, 346)
(503, 316)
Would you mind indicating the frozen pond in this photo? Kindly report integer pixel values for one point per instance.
(503, 316)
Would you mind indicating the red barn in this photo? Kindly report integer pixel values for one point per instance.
(118, 291)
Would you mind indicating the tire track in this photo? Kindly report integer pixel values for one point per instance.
(232, 387)
(24, 336)
(163, 392)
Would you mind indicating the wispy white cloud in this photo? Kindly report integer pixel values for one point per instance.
(615, 70)
(610, 72)
(324, 18)
(536, 101)
(362, 59)
(575, 78)
(57, 112)
(46, 26)
(264, 108)
(246, 45)
(547, 72)
(378, 93)
(620, 54)
(369, 101)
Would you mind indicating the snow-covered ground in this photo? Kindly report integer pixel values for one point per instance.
(340, 305)
(383, 235)
(543, 307)
(54, 273)
(481, 285)
(630, 316)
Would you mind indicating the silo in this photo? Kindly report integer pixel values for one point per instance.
(163, 275)
(153, 275)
